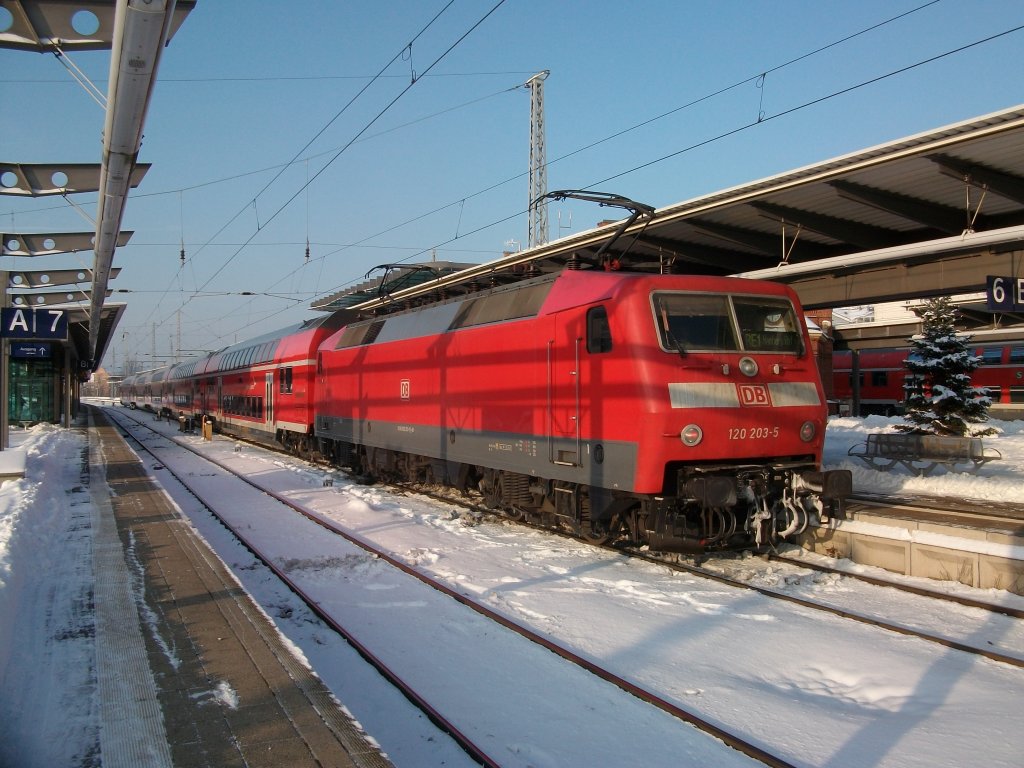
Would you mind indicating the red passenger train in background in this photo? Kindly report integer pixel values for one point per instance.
(884, 379)
(682, 412)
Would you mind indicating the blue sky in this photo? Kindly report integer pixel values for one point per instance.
(244, 86)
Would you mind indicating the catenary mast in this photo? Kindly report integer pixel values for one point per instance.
(538, 233)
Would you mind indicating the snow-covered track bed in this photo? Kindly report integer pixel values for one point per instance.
(384, 572)
(810, 688)
(981, 628)
(996, 601)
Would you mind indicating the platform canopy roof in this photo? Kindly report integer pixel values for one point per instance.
(925, 215)
(80, 326)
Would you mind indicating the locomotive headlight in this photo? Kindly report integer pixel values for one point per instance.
(808, 431)
(691, 435)
(748, 367)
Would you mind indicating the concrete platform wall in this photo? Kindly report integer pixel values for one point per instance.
(987, 559)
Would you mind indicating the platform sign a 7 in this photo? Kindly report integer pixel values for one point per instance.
(33, 323)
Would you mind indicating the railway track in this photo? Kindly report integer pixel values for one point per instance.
(675, 563)
(678, 564)
(992, 511)
(855, 614)
(800, 562)
(675, 681)
(421, 700)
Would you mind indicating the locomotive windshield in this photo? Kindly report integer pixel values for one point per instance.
(707, 322)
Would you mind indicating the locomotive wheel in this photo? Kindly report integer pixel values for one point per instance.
(600, 533)
(595, 532)
(492, 489)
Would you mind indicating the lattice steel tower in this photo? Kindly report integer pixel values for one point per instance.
(538, 234)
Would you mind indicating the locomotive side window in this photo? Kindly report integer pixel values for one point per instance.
(285, 380)
(496, 307)
(362, 333)
(599, 333)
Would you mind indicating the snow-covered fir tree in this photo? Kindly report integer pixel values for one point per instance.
(946, 403)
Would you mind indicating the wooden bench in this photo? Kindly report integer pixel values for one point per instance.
(923, 453)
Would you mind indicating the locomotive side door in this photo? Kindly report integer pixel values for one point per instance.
(564, 390)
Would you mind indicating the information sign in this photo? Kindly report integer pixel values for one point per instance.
(33, 323)
(31, 350)
(1005, 293)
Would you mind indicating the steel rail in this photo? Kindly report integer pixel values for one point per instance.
(768, 592)
(969, 602)
(842, 612)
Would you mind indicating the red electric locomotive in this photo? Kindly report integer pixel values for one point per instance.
(682, 412)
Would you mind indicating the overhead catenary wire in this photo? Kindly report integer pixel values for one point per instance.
(665, 157)
(761, 119)
(340, 151)
(696, 145)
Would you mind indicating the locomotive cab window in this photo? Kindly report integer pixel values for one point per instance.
(768, 325)
(701, 322)
(694, 322)
(285, 378)
(599, 333)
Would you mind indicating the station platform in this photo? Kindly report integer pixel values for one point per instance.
(194, 675)
(974, 547)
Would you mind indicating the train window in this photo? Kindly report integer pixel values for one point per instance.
(994, 393)
(991, 355)
(511, 304)
(356, 335)
(768, 325)
(1017, 394)
(285, 380)
(690, 321)
(912, 385)
(1017, 355)
(599, 333)
(428, 321)
(879, 378)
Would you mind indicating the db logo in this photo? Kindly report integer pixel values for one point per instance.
(404, 389)
(753, 394)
